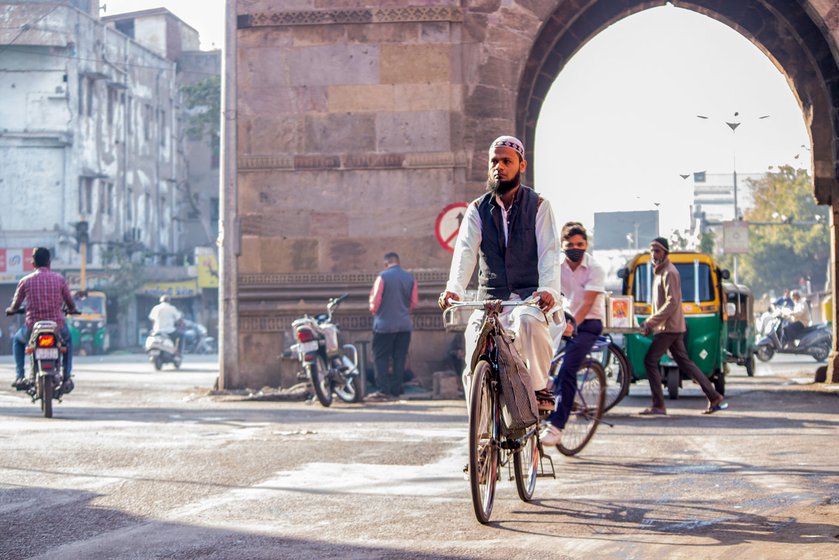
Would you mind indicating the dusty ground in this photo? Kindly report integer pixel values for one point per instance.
(145, 465)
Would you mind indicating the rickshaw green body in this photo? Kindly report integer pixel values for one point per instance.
(703, 305)
(89, 330)
(740, 345)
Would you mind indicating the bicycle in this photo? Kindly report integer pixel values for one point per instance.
(589, 400)
(489, 447)
(616, 366)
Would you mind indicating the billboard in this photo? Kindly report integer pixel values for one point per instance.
(625, 230)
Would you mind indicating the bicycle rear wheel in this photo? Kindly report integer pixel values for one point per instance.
(526, 467)
(587, 409)
(483, 449)
(616, 367)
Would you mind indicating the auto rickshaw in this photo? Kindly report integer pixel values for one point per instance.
(89, 330)
(741, 326)
(706, 338)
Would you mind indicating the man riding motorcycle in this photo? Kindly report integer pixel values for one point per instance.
(46, 293)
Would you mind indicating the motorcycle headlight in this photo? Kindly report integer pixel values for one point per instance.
(100, 324)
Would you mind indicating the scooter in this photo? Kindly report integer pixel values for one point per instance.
(161, 350)
(815, 341)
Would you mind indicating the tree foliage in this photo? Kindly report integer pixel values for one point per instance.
(203, 104)
(799, 246)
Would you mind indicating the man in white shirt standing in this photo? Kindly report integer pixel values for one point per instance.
(510, 233)
(165, 317)
(583, 283)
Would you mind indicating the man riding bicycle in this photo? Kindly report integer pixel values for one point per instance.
(583, 283)
(510, 233)
(46, 293)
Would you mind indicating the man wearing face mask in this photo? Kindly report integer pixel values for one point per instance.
(583, 284)
(511, 234)
(667, 323)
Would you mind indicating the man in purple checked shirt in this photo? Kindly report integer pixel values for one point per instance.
(45, 292)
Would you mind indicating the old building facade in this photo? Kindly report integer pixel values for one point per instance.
(350, 127)
(92, 130)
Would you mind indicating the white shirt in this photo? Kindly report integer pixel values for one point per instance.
(589, 277)
(468, 245)
(165, 316)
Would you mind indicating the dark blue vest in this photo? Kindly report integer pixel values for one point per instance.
(395, 311)
(513, 268)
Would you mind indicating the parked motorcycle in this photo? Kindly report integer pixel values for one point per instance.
(161, 350)
(330, 367)
(194, 339)
(815, 341)
(44, 381)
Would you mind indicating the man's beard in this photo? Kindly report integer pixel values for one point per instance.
(499, 187)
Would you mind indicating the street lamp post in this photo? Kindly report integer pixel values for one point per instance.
(733, 124)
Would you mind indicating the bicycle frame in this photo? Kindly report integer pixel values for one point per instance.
(487, 443)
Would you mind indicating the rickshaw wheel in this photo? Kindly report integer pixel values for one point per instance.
(673, 383)
(750, 365)
(719, 382)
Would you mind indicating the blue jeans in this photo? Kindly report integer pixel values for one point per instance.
(575, 352)
(21, 339)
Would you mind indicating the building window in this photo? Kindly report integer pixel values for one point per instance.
(112, 101)
(214, 215)
(129, 117)
(147, 210)
(81, 95)
(108, 196)
(147, 119)
(129, 202)
(162, 127)
(91, 91)
(85, 195)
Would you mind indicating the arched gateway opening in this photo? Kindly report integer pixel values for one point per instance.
(349, 129)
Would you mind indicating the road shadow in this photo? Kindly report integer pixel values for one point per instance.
(54, 523)
(635, 521)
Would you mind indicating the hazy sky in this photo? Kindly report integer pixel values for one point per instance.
(620, 125)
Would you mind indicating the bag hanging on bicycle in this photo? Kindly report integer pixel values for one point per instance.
(518, 405)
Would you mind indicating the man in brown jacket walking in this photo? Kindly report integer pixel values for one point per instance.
(667, 322)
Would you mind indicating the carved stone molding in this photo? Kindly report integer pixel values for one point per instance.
(318, 278)
(349, 16)
(265, 162)
(374, 160)
(431, 321)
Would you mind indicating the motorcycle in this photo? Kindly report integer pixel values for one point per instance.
(330, 367)
(46, 372)
(161, 350)
(194, 339)
(815, 341)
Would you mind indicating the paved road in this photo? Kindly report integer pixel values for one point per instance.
(145, 465)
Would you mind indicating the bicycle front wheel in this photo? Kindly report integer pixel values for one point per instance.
(526, 468)
(483, 449)
(589, 401)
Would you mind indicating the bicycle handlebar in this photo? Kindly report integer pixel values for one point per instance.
(531, 301)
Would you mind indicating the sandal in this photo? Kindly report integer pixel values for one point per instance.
(722, 405)
(653, 412)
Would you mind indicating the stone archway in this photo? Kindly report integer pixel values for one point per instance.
(348, 128)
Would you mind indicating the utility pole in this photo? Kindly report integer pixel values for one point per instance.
(82, 239)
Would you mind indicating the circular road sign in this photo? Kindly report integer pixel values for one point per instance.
(448, 224)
